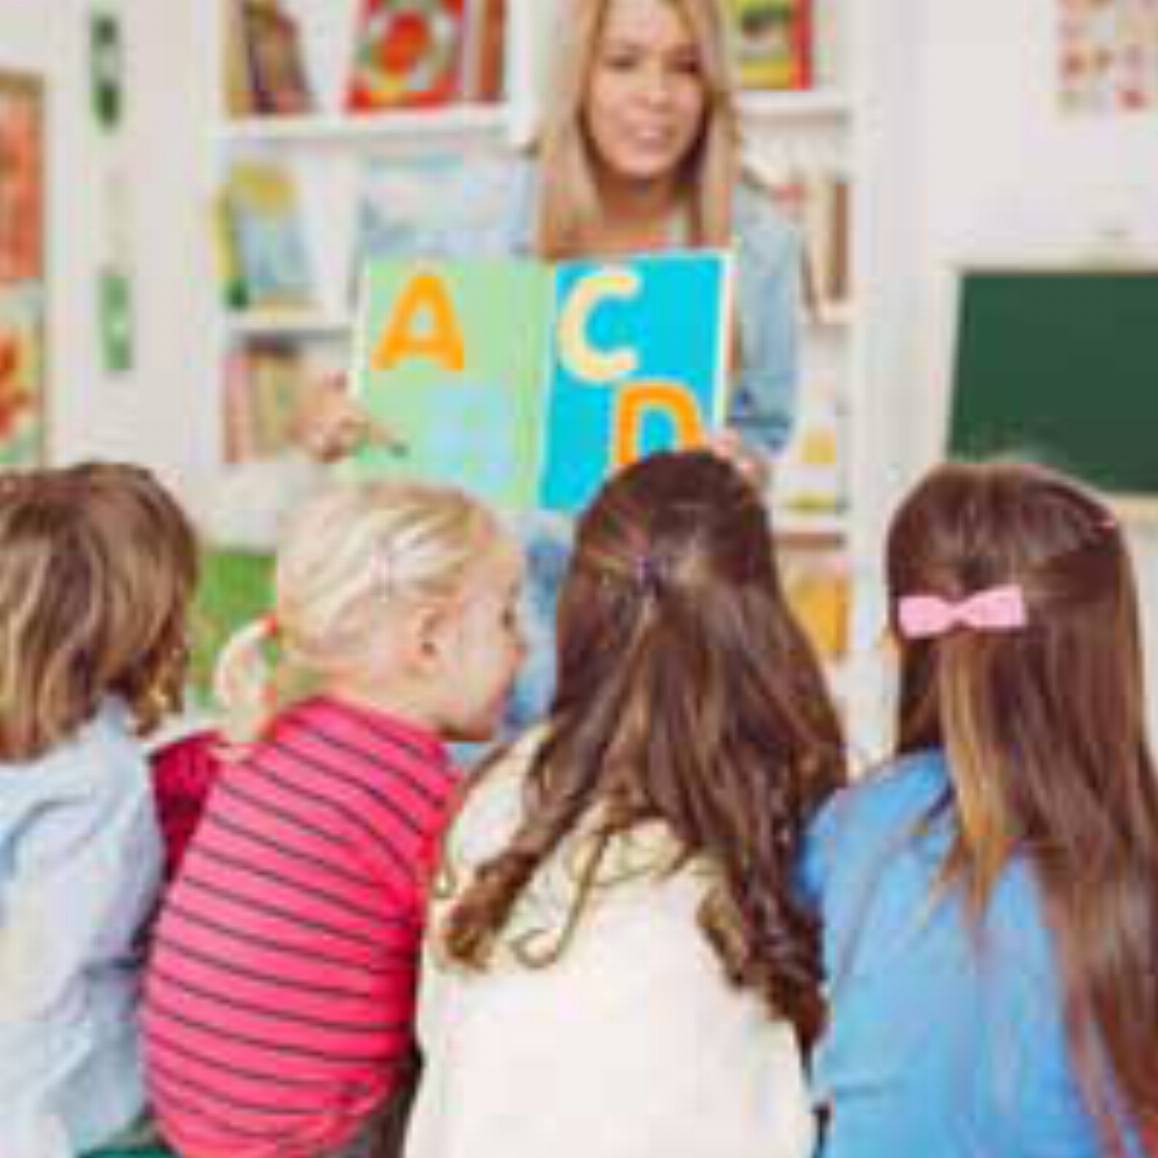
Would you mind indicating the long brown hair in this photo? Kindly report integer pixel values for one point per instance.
(1045, 737)
(99, 568)
(569, 208)
(687, 694)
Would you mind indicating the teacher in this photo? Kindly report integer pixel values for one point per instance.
(639, 152)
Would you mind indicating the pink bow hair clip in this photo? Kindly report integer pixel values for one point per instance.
(992, 609)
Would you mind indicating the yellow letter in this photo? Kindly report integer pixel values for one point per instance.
(441, 342)
(581, 358)
(631, 406)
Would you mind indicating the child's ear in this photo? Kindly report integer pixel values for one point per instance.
(429, 638)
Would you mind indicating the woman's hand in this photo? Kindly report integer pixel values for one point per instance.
(330, 424)
(750, 461)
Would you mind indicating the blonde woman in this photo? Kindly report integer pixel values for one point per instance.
(639, 152)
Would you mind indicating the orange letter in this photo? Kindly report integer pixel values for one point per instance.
(442, 340)
(632, 404)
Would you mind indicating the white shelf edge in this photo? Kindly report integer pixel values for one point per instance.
(797, 525)
(777, 104)
(415, 127)
(286, 323)
(831, 316)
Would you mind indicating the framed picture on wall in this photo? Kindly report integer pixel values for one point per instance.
(22, 270)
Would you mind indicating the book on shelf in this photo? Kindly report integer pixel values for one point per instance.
(407, 54)
(22, 333)
(265, 71)
(260, 238)
(484, 51)
(226, 264)
(772, 43)
(811, 474)
(818, 587)
(528, 382)
(827, 232)
(817, 202)
(264, 384)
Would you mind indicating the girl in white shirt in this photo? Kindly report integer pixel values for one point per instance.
(616, 966)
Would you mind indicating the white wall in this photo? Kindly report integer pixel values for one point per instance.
(1002, 176)
(163, 412)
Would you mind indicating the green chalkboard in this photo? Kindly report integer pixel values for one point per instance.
(1060, 368)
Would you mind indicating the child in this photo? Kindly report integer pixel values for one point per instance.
(616, 966)
(989, 901)
(279, 993)
(99, 567)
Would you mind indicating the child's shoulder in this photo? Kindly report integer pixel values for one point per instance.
(493, 806)
(859, 822)
(97, 760)
(886, 803)
(356, 750)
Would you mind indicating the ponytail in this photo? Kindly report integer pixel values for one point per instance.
(244, 680)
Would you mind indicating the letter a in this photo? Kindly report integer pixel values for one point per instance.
(440, 340)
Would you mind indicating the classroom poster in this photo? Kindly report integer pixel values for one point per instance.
(1108, 56)
(529, 383)
(22, 270)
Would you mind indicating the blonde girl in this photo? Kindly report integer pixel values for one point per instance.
(617, 966)
(989, 898)
(99, 567)
(279, 994)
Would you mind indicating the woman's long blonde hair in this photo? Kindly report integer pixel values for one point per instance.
(569, 209)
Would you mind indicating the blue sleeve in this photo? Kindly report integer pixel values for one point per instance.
(84, 874)
(81, 876)
(812, 862)
(763, 405)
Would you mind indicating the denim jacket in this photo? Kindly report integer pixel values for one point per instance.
(80, 867)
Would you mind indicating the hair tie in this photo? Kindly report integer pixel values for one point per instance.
(648, 574)
(1000, 608)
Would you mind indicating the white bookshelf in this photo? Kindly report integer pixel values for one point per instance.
(817, 104)
(411, 129)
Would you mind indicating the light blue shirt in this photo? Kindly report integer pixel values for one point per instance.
(499, 210)
(938, 1045)
(80, 870)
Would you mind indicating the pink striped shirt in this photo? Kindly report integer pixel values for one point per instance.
(280, 992)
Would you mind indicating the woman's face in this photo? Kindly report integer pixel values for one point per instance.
(645, 97)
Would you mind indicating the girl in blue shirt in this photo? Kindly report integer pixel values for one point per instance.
(989, 899)
(99, 567)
